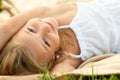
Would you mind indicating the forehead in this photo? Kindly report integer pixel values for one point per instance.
(32, 43)
(27, 40)
(32, 46)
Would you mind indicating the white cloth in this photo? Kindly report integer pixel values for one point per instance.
(97, 27)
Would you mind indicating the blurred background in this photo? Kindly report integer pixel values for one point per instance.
(9, 8)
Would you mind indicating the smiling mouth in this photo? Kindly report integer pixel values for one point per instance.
(51, 25)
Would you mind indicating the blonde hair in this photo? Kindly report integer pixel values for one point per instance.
(15, 59)
(64, 44)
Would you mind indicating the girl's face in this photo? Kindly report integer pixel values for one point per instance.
(40, 36)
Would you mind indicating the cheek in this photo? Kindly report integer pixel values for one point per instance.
(44, 58)
(56, 40)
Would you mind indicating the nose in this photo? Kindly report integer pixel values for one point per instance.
(45, 26)
(45, 29)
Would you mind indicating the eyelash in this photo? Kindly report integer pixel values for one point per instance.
(47, 43)
(31, 30)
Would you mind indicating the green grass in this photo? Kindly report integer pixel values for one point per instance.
(49, 76)
(80, 77)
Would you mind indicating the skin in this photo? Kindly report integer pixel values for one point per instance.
(40, 36)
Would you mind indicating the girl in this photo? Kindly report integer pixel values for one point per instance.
(29, 53)
(91, 28)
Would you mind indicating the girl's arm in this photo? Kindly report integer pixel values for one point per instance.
(11, 26)
(59, 12)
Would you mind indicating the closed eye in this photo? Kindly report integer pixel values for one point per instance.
(31, 30)
(47, 42)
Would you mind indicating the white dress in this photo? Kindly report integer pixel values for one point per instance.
(97, 27)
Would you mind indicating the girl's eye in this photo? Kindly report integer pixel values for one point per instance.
(31, 30)
(47, 43)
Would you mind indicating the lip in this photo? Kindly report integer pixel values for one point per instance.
(51, 25)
